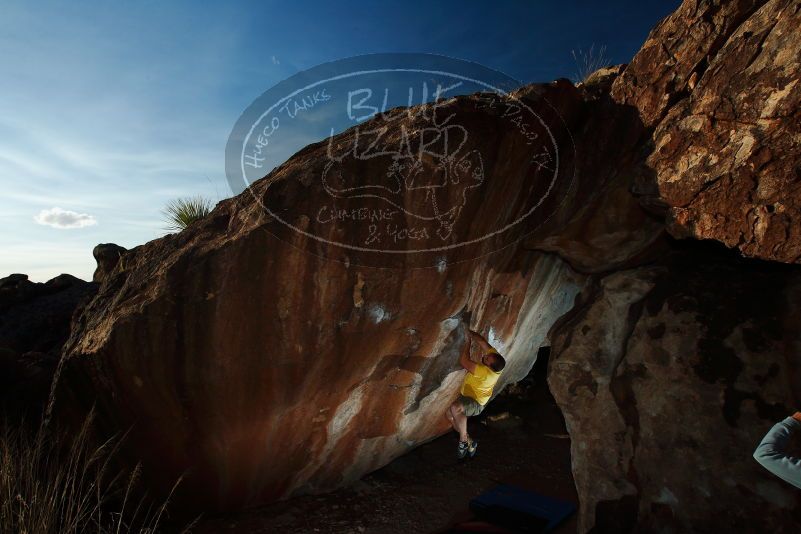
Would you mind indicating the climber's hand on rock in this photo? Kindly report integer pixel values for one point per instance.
(480, 341)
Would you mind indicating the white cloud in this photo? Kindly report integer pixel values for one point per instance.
(59, 218)
(275, 61)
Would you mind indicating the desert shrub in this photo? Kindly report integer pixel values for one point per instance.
(182, 212)
(589, 61)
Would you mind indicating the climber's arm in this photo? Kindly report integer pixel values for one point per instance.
(464, 358)
(771, 452)
(478, 338)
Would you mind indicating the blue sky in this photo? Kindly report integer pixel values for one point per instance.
(109, 110)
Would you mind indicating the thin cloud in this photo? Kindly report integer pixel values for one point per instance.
(275, 61)
(59, 218)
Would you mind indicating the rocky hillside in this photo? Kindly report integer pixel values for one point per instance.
(266, 364)
(34, 324)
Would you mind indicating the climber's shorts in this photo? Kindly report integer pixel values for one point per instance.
(471, 406)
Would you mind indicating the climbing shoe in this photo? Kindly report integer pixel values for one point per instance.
(461, 452)
(471, 448)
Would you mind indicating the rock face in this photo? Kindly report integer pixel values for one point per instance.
(278, 371)
(34, 324)
(719, 82)
(601, 225)
(281, 367)
(300, 374)
(107, 256)
(668, 377)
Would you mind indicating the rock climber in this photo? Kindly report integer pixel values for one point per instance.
(476, 389)
(772, 451)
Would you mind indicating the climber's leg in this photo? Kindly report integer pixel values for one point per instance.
(452, 412)
(459, 420)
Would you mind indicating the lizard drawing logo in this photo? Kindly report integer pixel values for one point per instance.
(428, 176)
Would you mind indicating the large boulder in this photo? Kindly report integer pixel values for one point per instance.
(265, 363)
(668, 377)
(719, 82)
(263, 371)
(677, 53)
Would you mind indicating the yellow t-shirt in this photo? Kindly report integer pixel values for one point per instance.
(479, 385)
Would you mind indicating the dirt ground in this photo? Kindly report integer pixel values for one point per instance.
(428, 490)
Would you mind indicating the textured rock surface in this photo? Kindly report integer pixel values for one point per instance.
(107, 256)
(602, 226)
(719, 82)
(296, 374)
(668, 377)
(676, 55)
(282, 366)
(600, 82)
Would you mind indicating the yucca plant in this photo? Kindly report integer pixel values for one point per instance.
(182, 212)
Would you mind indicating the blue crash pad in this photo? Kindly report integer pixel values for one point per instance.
(520, 509)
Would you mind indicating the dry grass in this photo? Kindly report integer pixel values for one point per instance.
(589, 61)
(68, 486)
